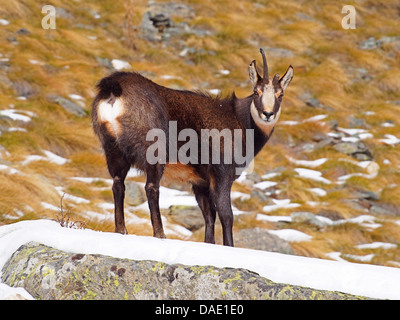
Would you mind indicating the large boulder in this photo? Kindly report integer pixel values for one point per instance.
(47, 273)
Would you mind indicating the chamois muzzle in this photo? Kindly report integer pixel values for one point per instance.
(267, 116)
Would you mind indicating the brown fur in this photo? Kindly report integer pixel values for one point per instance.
(147, 105)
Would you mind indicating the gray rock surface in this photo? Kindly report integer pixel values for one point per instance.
(68, 105)
(261, 239)
(47, 273)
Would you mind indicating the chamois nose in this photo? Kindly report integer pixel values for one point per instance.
(268, 115)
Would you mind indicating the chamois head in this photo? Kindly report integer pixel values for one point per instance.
(267, 96)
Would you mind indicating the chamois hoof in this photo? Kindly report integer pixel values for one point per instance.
(160, 235)
(121, 230)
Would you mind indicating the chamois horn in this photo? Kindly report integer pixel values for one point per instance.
(265, 66)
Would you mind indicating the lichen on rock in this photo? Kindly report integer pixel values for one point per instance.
(47, 273)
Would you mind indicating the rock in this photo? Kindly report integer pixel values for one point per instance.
(385, 209)
(134, 193)
(50, 274)
(313, 102)
(161, 21)
(63, 13)
(355, 149)
(189, 217)
(158, 22)
(366, 194)
(261, 239)
(105, 62)
(331, 214)
(372, 43)
(307, 217)
(24, 88)
(23, 32)
(68, 105)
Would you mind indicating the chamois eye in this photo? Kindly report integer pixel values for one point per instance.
(257, 92)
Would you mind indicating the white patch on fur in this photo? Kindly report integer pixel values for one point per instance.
(268, 98)
(109, 114)
(265, 126)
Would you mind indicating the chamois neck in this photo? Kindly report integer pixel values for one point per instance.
(243, 112)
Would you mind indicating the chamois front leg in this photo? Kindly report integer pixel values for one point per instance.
(152, 187)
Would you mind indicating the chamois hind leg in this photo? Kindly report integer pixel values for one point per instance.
(118, 167)
(221, 195)
(152, 187)
(207, 207)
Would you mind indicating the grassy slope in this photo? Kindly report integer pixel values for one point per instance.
(324, 57)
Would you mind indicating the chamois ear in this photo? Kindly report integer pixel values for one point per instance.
(286, 78)
(253, 74)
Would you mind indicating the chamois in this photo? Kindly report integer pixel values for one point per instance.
(128, 106)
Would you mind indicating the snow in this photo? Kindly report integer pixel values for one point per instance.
(264, 217)
(352, 131)
(265, 184)
(120, 64)
(308, 163)
(4, 22)
(318, 191)
(214, 91)
(50, 157)
(376, 245)
(366, 258)
(242, 196)
(280, 204)
(291, 235)
(390, 139)
(360, 279)
(289, 123)
(8, 169)
(76, 97)
(18, 115)
(318, 117)
(311, 174)
(92, 180)
(170, 197)
(270, 175)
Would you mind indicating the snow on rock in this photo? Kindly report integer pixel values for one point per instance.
(359, 279)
